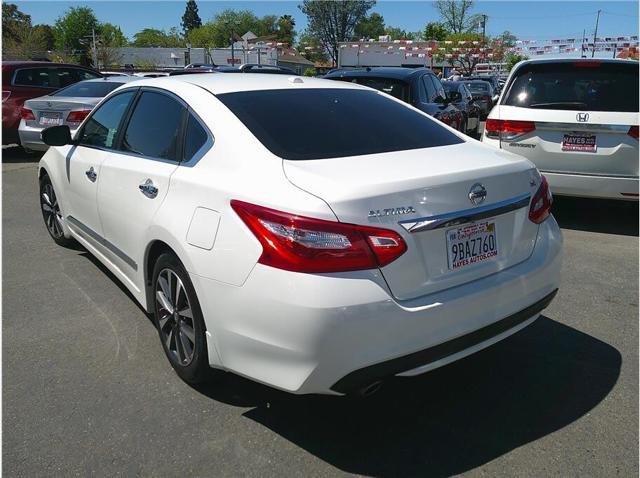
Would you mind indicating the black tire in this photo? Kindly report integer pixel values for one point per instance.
(178, 332)
(51, 213)
(476, 134)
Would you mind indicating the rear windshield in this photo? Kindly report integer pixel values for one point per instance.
(91, 89)
(330, 123)
(397, 88)
(593, 86)
(481, 86)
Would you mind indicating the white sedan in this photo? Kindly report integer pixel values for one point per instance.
(313, 235)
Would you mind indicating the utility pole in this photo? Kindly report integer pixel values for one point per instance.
(95, 51)
(582, 54)
(233, 56)
(484, 25)
(595, 35)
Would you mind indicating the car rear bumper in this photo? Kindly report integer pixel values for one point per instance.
(590, 186)
(316, 333)
(30, 137)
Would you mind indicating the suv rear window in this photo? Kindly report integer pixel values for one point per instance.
(592, 86)
(330, 123)
(396, 88)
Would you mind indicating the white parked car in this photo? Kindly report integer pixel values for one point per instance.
(576, 120)
(313, 235)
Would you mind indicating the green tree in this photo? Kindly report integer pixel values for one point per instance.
(371, 26)
(311, 48)
(73, 32)
(205, 36)
(286, 32)
(190, 19)
(456, 15)
(334, 21)
(267, 25)
(111, 35)
(14, 22)
(435, 31)
(399, 34)
(457, 54)
(514, 58)
(27, 44)
(152, 37)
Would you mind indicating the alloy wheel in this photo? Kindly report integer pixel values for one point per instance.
(175, 317)
(51, 210)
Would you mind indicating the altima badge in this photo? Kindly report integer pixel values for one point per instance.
(477, 194)
(394, 211)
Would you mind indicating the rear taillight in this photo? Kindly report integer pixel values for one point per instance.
(541, 203)
(26, 114)
(633, 132)
(5, 95)
(304, 244)
(507, 129)
(486, 98)
(77, 116)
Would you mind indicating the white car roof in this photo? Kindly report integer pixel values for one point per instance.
(575, 60)
(219, 83)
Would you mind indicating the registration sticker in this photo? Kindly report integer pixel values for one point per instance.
(471, 244)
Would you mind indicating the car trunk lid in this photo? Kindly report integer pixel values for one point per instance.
(407, 191)
(51, 110)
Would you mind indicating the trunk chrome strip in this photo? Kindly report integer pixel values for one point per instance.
(439, 221)
(582, 127)
(97, 238)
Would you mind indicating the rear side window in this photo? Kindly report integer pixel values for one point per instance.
(331, 123)
(154, 127)
(438, 87)
(396, 88)
(90, 89)
(38, 77)
(195, 138)
(101, 128)
(592, 86)
(430, 88)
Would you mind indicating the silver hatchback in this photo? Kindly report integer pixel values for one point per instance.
(68, 106)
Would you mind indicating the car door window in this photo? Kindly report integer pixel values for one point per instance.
(438, 87)
(101, 128)
(74, 75)
(195, 138)
(154, 127)
(38, 77)
(431, 89)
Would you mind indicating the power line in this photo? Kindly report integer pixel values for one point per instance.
(526, 17)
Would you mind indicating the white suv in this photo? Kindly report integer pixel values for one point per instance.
(577, 120)
(317, 236)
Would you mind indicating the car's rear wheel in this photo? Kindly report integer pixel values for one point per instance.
(179, 320)
(51, 212)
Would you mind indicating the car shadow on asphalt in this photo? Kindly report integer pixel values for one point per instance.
(450, 420)
(597, 215)
(16, 155)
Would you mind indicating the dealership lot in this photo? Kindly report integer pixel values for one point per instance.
(87, 388)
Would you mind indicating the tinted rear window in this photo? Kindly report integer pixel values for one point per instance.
(396, 88)
(594, 86)
(331, 123)
(91, 89)
(479, 87)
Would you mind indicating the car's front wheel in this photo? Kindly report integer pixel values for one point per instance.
(51, 212)
(179, 320)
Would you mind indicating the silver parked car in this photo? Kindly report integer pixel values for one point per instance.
(69, 106)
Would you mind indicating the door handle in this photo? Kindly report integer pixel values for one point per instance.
(148, 189)
(91, 174)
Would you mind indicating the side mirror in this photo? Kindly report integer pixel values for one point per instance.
(495, 98)
(56, 135)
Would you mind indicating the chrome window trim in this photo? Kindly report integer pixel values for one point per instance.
(439, 221)
(89, 233)
(582, 127)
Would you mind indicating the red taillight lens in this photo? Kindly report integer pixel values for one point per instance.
(540, 208)
(5, 95)
(77, 116)
(633, 132)
(304, 244)
(26, 114)
(507, 129)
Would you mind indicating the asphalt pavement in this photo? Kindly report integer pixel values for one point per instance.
(87, 389)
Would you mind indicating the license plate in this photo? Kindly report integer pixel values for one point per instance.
(579, 142)
(471, 244)
(48, 118)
